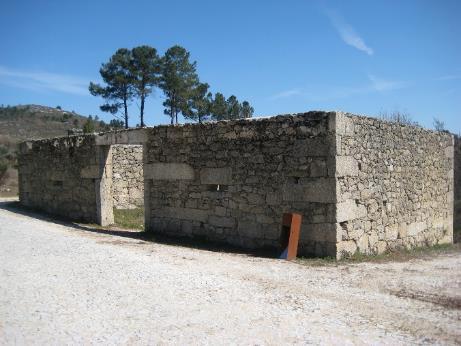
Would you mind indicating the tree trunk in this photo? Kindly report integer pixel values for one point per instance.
(172, 109)
(143, 97)
(126, 112)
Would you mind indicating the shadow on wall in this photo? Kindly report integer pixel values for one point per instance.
(196, 243)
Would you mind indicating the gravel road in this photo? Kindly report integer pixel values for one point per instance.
(64, 285)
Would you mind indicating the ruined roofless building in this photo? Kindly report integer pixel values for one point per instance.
(361, 184)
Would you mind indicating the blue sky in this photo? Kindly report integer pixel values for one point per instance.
(364, 57)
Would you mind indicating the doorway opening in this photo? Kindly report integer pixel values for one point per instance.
(128, 185)
(120, 195)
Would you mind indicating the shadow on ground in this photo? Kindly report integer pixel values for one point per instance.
(197, 243)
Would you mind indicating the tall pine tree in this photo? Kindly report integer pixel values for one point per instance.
(145, 68)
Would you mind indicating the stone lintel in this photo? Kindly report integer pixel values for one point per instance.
(137, 136)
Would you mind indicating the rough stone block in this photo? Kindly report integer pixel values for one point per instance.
(221, 221)
(322, 232)
(349, 210)
(321, 190)
(345, 249)
(169, 171)
(221, 176)
(416, 227)
(180, 213)
(90, 172)
(346, 166)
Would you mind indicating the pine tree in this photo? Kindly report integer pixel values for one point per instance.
(178, 79)
(118, 77)
(199, 103)
(219, 107)
(246, 111)
(145, 68)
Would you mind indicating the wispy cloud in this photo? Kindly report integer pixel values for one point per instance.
(347, 32)
(287, 93)
(40, 81)
(380, 84)
(322, 93)
(449, 77)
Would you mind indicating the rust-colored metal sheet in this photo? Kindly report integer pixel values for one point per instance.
(289, 239)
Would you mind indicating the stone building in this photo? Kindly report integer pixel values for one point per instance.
(361, 184)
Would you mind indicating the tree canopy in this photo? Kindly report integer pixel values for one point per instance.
(135, 73)
(178, 79)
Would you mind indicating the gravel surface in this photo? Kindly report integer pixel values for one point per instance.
(64, 285)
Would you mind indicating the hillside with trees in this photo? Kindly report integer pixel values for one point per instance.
(19, 123)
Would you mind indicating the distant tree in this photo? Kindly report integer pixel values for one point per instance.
(439, 125)
(246, 111)
(89, 126)
(58, 107)
(398, 117)
(75, 122)
(116, 124)
(199, 104)
(233, 108)
(145, 67)
(219, 107)
(230, 109)
(178, 79)
(119, 89)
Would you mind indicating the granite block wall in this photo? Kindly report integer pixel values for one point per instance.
(361, 184)
(397, 186)
(58, 176)
(127, 176)
(232, 181)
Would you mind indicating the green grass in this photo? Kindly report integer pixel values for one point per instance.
(129, 218)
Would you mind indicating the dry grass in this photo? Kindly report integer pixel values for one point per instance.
(398, 255)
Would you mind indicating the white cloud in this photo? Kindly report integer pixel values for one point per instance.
(39, 81)
(347, 32)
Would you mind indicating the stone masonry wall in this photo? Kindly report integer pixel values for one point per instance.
(397, 188)
(127, 175)
(361, 184)
(232, 181)
(55, 175)
(457, 198)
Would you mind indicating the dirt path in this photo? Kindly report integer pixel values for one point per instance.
(62, 285)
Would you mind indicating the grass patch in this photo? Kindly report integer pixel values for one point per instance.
(400, 255)
(129, 218)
